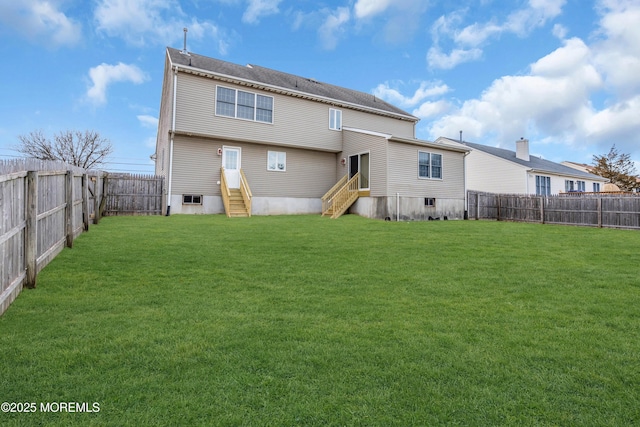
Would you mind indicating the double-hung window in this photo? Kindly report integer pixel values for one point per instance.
(244, 105)
(596, 187)
(543, 185)
(335, 119)
(580, 186)
(429, 165)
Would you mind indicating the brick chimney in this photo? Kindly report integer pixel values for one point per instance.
(522, 149)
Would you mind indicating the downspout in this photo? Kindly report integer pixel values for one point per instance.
(172, 132)
(397, 206)
(464, 183)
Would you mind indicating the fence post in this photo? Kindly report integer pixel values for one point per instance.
(477, 206)
(498, 206)
(542, 199)
(599, 212)
(68, 210)
(96, 200)
(85, 201)
(31, 229)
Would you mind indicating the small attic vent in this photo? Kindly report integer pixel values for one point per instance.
(312, 80)
(249, 66)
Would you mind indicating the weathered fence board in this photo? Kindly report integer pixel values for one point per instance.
(45, 209)
(133, 195)
(591, 209)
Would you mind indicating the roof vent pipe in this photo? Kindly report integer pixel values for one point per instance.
(184, 49)
(460, 137)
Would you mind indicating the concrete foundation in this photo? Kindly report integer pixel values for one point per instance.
(411, 208)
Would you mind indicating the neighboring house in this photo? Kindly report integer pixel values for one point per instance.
(251, 140)
(589, 168)
(496, 170)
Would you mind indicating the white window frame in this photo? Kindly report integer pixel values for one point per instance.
(335, 119)
(546, 187)
(581, 186)
(256, 105)
(430, 166)
(279, 155)
(596, 187)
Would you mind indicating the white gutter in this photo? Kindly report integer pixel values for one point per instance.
(172, 131)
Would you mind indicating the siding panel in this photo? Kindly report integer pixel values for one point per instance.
(356, 143)
(197, 165)
(297, 122)
(403, 173)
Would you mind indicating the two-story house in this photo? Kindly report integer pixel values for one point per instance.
(251, 140)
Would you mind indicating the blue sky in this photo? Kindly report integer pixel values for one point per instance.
(563, 73)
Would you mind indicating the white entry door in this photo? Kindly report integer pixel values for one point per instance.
(231, 164)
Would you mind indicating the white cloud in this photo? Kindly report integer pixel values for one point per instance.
(553, 99)
(148, 121)
(333, 27)
(41, 21)
(258, 9)
(369, 8)
(426, 90)
(105, 74)
(467, 41)
(143, 22)
(432, 109)
(438, 59)
(617, 53)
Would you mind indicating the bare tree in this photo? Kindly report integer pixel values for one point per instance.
(616, 166)
(85, 149)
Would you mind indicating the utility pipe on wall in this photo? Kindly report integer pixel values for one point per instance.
(173, 128)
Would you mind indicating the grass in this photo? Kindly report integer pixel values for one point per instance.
(307, 321)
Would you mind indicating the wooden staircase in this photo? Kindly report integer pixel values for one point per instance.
(341, 196)
(236, 201)
(237, 207)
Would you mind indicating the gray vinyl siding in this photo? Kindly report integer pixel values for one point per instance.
(164, 122)
(309, 174)
(403, 173)
(356, 143)
(196, 166)
(296, 122)
(376, 123)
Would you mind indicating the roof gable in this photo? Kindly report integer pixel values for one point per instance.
(280, 81)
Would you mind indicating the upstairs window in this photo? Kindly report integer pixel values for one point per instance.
(244, 105)
(335, 119)
(429, 165)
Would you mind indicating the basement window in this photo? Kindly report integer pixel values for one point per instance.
(191, 199)
(430, 201)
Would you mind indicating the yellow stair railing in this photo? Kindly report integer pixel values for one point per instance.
(341, 196)
(226, 194)
(246, 192)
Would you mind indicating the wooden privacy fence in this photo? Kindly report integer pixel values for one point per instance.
(42, 211)
(591, 209)
(133, 195)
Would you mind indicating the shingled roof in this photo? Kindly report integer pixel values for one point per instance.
(534, 162)
(284, 82)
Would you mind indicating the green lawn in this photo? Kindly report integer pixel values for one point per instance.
(308, 321)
